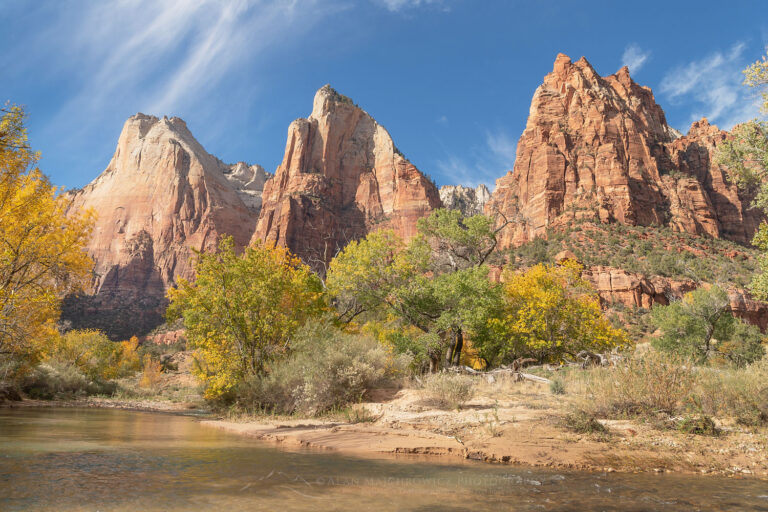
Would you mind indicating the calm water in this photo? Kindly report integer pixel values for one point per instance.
(64, 459)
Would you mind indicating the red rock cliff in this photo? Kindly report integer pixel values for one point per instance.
(600, 147)
(341, 177)
(161, 196)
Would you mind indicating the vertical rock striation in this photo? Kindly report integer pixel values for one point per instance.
(161, 197)
(600, 148)
(341, 177)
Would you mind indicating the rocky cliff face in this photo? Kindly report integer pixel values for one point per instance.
(600, 148)
(161, 197)
(470, 201)
(635, 290)
(341, 177)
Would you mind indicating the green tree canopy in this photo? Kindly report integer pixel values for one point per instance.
(702, 327)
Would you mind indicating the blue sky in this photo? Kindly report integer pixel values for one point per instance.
(451, 80)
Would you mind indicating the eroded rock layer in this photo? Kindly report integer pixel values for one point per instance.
(161, 197)
(341, 177)
(470, 201)
(600, 148)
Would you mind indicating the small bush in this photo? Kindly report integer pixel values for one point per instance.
(699, 424)
(57, 380)
(557, 387)
(582, 422)
(447, 390)
(150, 374)
(327, 370)
(95, 355)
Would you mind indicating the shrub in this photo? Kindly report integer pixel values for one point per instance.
(741, 394)
(582, 422)
(57, 380)
(557, 387)
(150, 374)
(699, 424)
(645, 385)
(327, 370)
(447, 390)
(93, 354)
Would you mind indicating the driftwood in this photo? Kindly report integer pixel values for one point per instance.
(517, 375)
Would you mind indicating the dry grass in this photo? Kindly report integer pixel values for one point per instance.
(447, 390)
(662, 389)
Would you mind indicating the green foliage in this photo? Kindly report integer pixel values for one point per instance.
(582, 422)
(699, 424)
(701, 327)
(60, 380)
(437, 283)
(557, 386)
(745, 156)
(327, 370)
(242, 310)
(647, 250)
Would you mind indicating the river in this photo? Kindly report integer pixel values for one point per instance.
(113, 460)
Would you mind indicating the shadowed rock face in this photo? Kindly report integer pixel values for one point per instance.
(161, 197)
(469, 201)
(341, 177)
(600, 148)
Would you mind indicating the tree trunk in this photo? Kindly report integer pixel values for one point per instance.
(457, 347)
(451, 349)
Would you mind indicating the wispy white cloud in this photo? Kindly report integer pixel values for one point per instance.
(484, 163)
(162, 57)
(174, 50)
(713, 87)
(503, 147)
(634, 58)
(402, 5)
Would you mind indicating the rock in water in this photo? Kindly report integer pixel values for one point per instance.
(341, 177)
(161, 197)
(600, 148)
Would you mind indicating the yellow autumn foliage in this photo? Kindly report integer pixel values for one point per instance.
(42, 254)
(242, 310)
(550, 312)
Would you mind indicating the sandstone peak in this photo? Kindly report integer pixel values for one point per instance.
(161, 197)
(600, 148)
(328, 99)
(341, 177)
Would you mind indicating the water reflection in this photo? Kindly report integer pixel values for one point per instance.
(109, 460)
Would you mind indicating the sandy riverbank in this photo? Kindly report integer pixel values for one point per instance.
(506, 422)
(518, 426)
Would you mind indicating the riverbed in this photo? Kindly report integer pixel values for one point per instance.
(115, 460)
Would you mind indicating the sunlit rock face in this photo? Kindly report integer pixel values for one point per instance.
(470, 201)
(600, 148)
(161, 197)
(341, 178)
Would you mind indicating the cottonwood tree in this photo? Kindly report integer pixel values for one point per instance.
(702, 327)
(241, 310)
(745, 156)
(42, 255)
(438, 282)
(549, 312)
